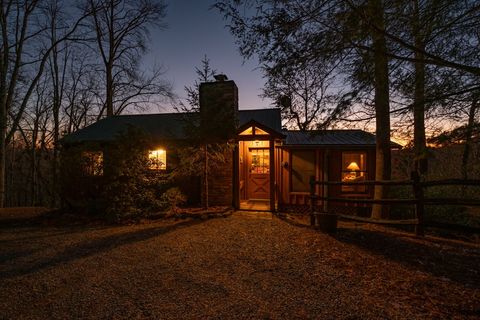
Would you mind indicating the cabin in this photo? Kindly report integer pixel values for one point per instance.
(269, 167)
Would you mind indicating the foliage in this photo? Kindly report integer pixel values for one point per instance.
(204, 73)
(172, 199)
(457, 135)
(201, 157)
(305, 95)
(131, 189)
(125, 188)
(79, 191)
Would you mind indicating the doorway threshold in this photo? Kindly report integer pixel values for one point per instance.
(255, 205)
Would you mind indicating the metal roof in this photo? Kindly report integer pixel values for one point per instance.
(267, 117)
(329, 137)
(172, 126)
(162, 126)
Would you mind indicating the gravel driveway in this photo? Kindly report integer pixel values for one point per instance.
(243, 266)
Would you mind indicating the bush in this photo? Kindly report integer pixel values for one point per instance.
(132, 190)
(124, 188)
(172, 199)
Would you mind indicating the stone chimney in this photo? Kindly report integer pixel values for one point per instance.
(219, 108)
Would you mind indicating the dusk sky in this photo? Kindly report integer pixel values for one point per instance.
(193, 31)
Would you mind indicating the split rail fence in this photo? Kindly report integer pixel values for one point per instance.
(419, 200)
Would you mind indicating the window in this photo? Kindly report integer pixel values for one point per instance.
(253, 131)
(354, 169)
(158, 159)
(260, 160)
(303, 167)
(92, 163)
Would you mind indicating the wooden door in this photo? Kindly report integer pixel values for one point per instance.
(258, 173)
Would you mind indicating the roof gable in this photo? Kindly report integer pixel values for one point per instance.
(270, 118)
(266, 131)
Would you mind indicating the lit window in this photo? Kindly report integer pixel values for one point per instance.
(92, 163)
(247, 132)
(253, 131)
(158, 159)
(354, 169)
(260, 160)
(260, 131)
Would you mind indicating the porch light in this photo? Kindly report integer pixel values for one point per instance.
(353, 166)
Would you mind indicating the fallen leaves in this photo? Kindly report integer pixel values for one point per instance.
(241, 266)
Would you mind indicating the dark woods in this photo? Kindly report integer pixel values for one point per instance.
(59, 72)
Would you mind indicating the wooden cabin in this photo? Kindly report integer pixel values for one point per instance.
(269, 168)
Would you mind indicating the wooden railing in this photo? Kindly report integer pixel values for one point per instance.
(419, 200)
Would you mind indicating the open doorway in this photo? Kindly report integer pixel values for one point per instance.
(254, 175)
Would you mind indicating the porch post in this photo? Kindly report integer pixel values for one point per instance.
(326, 156)
(236, 178)
(272, 175)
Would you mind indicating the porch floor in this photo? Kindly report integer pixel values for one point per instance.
(257, 205)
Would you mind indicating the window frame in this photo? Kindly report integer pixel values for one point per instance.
(92, 162)
(156, 168)
(363, 188)
(263, 149)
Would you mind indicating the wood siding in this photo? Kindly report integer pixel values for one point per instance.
(328, 167)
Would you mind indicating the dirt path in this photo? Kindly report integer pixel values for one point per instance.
(243, 266)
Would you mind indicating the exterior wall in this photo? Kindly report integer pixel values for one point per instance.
(335, 170)
(220, 183)
(328, 164)
(288, 199)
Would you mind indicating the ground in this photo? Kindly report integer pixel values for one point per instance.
(242, 266)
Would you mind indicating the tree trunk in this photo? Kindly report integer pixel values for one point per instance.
(419, 140)
(3, 140)
(56, 119)
(205, 178)
(382, 106)
(109, 91)
(468, 135)
(33, 190)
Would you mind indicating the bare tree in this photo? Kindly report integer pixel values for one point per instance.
(304, 94)
(121, 28)
(23, 57)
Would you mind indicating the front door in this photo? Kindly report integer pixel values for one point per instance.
(258, 173)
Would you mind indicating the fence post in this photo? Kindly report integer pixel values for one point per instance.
(419, 207)
(312, 201)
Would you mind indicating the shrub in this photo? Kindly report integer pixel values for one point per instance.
(124, 188)
(131, 189)
(172, 199)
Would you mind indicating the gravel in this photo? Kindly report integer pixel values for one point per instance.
(242, 266)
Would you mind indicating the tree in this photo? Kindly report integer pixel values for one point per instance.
(304, 94)
(207, 158)
(292, 32)
(23, 57)
(121, 28)
(204, 74)
(374, 44)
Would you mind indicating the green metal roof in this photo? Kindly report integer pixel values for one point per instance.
(162, 126)
(331, 138)
(172, 126)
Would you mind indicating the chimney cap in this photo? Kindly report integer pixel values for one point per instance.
(220, 77)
